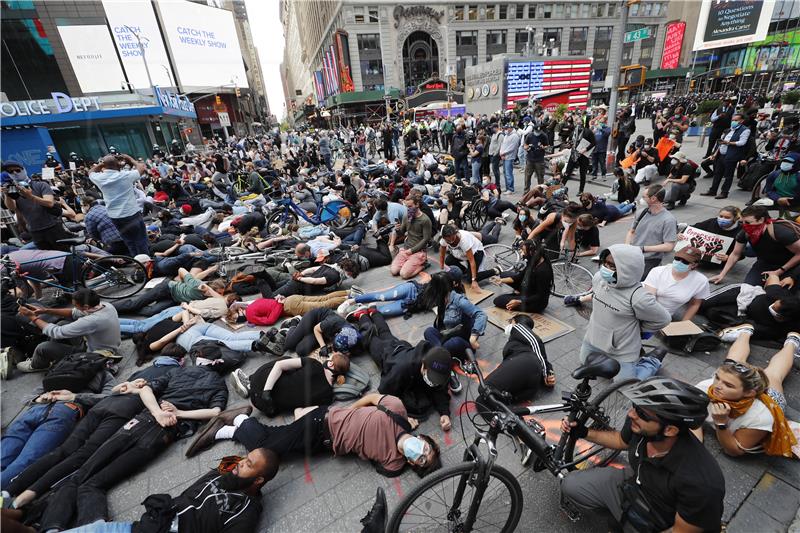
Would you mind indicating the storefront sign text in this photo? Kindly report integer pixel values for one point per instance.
(60, 103)
(174, 101)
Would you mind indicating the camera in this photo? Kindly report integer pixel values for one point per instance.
(12, 191)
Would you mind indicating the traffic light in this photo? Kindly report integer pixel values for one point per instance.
(218, 100)
(238, 92)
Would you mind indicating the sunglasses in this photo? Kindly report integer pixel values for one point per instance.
(739, 368)
(684, 260)
(643, 415)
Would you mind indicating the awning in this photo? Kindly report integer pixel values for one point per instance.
(667, 73)
(359, 97)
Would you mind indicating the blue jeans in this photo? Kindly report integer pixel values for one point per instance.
(38, 431)
(508, 169)
(457, 346)
(241, 341)
(396, 298)
(103, 527)
(191, 249)
(643, 368)
(131, 325)
(357, 236)
(476, 171)
(624, 209)
(133, 233)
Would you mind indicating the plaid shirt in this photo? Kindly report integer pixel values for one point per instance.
(99, 225)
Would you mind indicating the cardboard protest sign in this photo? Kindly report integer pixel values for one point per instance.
(546, 326)
(707, 242)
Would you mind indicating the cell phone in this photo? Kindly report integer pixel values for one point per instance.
(28, 306)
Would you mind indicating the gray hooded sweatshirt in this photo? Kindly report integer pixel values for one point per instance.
(621, 311)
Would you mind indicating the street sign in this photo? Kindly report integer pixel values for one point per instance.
(224, 119)
(637, 35)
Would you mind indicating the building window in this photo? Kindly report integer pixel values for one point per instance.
(369, 53)
(551, 40)
(604, 33)
(371, 67)
(373, 15)
(359, 14)
(545, 11)
(585, 11)
(520, 11)
(369, 42)
(572, 11)
(600, 55)
(612, 10)
(36, 72)
(473, 12)
(598, 10)
(462, 62)
(490, 12)
(503, 8)
(633, 11)
(599, 74)
(521, 41)
(558, 11)
(459, 13)
(627, 53)
(465, 39)
(495, 38)
(531, 11)
(577, 41)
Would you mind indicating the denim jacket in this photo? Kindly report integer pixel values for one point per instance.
(458, 308)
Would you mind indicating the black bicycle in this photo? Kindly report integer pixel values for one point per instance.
(479, 495)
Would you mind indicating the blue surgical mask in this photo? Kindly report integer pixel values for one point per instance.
(413, 448)
(523, 218)
(734, 123)
(724, 222)
(608, 275)
(786, 166)
(680, 266)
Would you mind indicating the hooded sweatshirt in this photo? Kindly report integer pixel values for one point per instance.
(621, 311)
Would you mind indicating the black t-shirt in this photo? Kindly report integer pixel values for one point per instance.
(161, 246)
(331, 325)
(586, 238)
(160, 329)
(196, 241)
(303, 387)
(251, 220)
(643, 161)
(330, 274)
(687, 480)
(535, 142)
(772, 251)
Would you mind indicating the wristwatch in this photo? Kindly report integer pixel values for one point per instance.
(722, 426)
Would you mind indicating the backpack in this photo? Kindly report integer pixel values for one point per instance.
(74, 372)
(356, 383)
(215, 350)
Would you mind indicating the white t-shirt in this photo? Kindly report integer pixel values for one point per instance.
(757, 417)
(673, 293)
(467, 241)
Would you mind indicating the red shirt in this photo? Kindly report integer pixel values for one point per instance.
(264, 312)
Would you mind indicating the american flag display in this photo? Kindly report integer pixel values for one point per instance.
(543, 78)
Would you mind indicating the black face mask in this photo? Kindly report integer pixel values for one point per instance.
(231, 482)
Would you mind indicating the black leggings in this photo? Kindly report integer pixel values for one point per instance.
(305, 435)
(147, 303)
(301, 338)
(378, 256)
(482, 274)
(496, 209)
(520, 376)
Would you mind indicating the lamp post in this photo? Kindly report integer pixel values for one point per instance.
(529, 29)
(144, 59)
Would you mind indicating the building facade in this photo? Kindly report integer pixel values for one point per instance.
(399, 45)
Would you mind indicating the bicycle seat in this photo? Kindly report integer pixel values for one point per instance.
(72, 240)
(597, 366)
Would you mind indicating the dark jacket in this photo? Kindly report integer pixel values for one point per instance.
(204, 507)
(401, 377)
(535, 287)
(459, 149)
(192, 388)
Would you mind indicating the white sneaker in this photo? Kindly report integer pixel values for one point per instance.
(27, 366)
(345, 307)
(732, 333)
(794, 338)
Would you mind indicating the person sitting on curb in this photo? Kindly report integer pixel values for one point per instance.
(375, 427)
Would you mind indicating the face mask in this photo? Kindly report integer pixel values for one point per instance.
(786, 167)
(680, 266)
(427, 381)
(523, 218)
(486, 182)
(675, 162)
(413, 448)
(412, 212)
(566, 224)
(724, 222)
(754, 231)
(648, 146)
(507, 330)
(776, 315)
(22, 175)
(643, 202)
(608, 275)
(734, 123)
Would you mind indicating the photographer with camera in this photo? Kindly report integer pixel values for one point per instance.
(34, 204)
(117, 186)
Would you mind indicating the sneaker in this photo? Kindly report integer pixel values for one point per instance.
(27, 366)
(289, 324)
(6, 367)
(346, 307)
(355, 290)
(454, 383)
(357, 313)
(375, 519)
(794, 338)
(708, 193)
(500, 220)
(260, 345)
(657, 353)
(241, 383)
(732, 333)
(572, 300)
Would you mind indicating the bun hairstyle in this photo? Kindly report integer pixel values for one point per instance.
(754, 379)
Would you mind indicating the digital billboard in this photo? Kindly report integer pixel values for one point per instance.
(673, 44)
(128, 18)
(728, 23)
(93, 58)
(203, 44)
(544, 78)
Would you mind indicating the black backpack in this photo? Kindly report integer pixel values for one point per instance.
(74, 372)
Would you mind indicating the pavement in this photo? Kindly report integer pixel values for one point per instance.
(325, 494)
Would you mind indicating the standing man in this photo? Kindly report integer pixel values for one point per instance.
(508, 153)
(583, 145)
(117, 187)
(601, 134)
(655, 230)
(447, 128)
(731, 151)
(535, 143)
(325, 150)
(494, 152)
(459, 150)
(625, 127)
(721, 120)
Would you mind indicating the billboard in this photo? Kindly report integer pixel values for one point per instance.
(732, 22)
(776, 50)
(203, 44)
(538, 78)
(673, 44)
(137, 15)
(93, 58)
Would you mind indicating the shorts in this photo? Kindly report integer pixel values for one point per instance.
(779, 398)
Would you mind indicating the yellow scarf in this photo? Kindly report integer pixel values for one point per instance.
(781, 440)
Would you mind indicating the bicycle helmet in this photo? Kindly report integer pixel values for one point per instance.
(673, 401)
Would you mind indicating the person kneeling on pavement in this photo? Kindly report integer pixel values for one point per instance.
(673, 481)
(375, 427)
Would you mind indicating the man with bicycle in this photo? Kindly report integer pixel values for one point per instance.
(672, 480)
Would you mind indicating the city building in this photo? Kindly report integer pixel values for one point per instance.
(394, 47)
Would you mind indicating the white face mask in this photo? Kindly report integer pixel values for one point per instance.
(566, 224)
(642, 202)
(774, 313)
(507, 330)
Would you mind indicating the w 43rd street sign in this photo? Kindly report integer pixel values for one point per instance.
(637, 35)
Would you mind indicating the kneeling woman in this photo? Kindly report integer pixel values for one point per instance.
(459, 323)
(531, 286)
(291, 382)
(747, 402)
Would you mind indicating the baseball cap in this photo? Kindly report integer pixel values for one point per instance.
(454, 272)
(689, 253)
(437, 362)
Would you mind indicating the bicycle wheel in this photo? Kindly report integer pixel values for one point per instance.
(477, 215)
(571, 278)
(501, 256)
(279, 220)
(430, 506)
(342, 216)
(114, 277)
(230, 250)
(606, 411)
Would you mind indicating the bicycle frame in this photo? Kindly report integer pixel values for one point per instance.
(28, 277)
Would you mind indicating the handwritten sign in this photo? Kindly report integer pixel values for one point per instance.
(706, 242)
(48, 173)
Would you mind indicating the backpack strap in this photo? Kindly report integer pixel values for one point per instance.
(399, 420)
